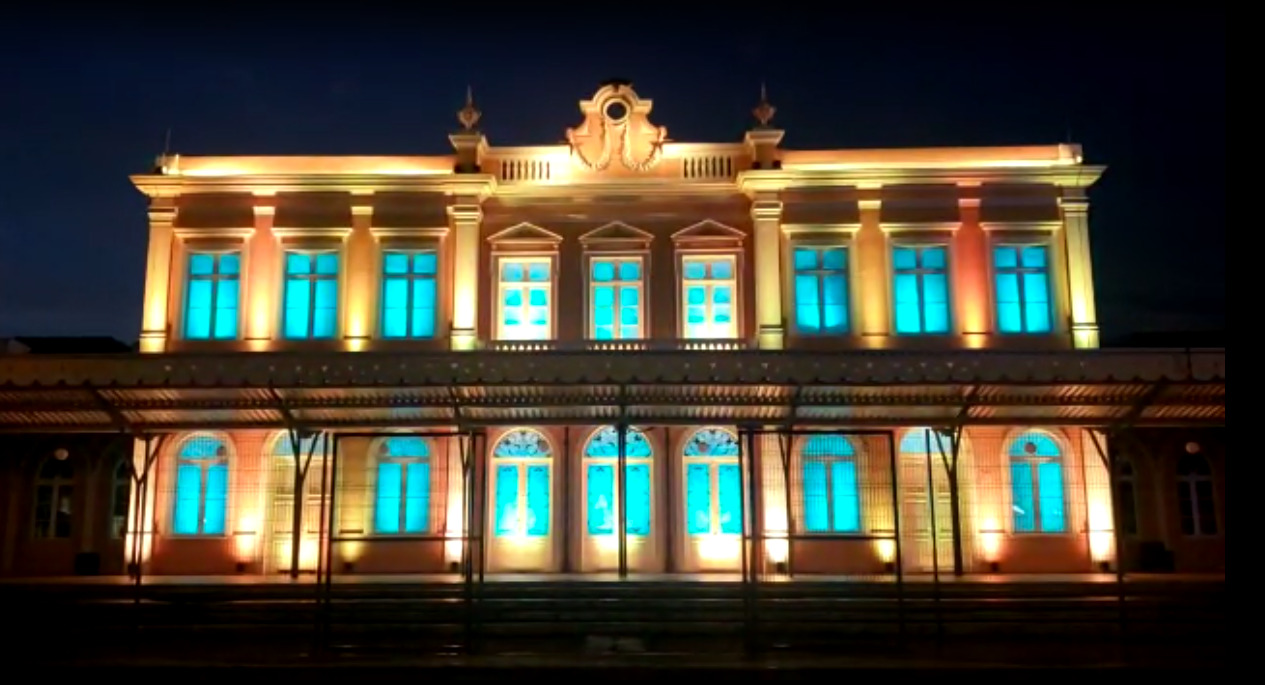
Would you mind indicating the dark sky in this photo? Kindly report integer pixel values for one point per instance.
(85, 100)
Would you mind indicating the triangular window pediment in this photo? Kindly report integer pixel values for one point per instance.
(709, 231)
(617, 232)
(525, 233)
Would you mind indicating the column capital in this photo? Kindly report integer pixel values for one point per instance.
(162, 210)
(1074, 204)
(465, 212)
(765, 208)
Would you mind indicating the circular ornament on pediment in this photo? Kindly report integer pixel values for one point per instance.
(616, 110)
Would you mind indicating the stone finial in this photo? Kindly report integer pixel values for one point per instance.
(764, 111)
(469, 115)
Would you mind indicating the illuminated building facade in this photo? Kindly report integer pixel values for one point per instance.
(625, 353)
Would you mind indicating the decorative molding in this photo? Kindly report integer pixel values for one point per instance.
(397, 235)
(1022, 226)
(766, 210)
(806, 230)
(617, 232)
(474, 185)
(869, 205)
(709, 231)
(465, 213)
(920, 226)
(235, 233)
(302, 233)
(524, 233)
(1068, 177)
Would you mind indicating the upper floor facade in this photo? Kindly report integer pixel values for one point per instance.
(623, 238)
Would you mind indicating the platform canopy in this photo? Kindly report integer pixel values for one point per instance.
(366, 390)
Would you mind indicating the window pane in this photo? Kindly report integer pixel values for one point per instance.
(637, 491)
(426, 263)
(805, 259)
(835, 259)
(198, 310)
(603, 271)
(327, 264)
(722, 269)
(1034, 257)
(512, 272)
(506, 499)
(908, 316)
(64, 511)
(389, 487)
(1021, 495)
(395, 263)
(1050, 485)
(395, 308)
(1207, 511)
(325, 309)
(847, 510)
(934, 258)
(698, 499)
(904, 258)
(816, 504)
(695, 270)
(216, 509)
(424, 308)
(601, 496)
(297, 297)
(629, 271)
(298, 264)
(537, 501)
(417, 498)
(730, 485)
(538, 271)
(201, 264)
(188, 499)
(1005, 258)
(1036, 303)
(226, 309)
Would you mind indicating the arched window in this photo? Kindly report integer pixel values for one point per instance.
(201, 487)
(54, 497)
(601, 457)
(312, 450)
(831, 500)
(713, 483)
(1036, 484)
(523, 459)
(402, 502)
(1126, 496)
(121, 498)
(1194, 496)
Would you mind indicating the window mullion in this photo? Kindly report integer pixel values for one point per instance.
(215, 295)
(1023, 298)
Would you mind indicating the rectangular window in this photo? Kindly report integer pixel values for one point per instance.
(1023, 288)
(311, 295)
(831, 504)
(212, 290)
(921, 289)
(615, 299)
(821, 290)
(524, 298)
(708, 297)
(409, 298)
(698, 499)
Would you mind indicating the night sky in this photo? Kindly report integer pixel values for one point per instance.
(86, 99)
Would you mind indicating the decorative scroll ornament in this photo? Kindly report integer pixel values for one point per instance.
(616, 114)
(469, 115)
(764, 111)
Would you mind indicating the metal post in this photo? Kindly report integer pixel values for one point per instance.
(785, 445)
(327, 595)
(481, 474)
(621, 465)
(466, 445)
(900, 562)
(935, 539)
(757, 541)
(324, 551)
(1121, 599)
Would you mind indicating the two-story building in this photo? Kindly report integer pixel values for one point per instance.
(627, 353)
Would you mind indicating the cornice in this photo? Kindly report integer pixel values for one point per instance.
(770, 180)
(476, 185)
(1024, 226)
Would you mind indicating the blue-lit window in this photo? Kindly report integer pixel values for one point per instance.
(522, 460)
(615, 298)
(311, 295)
(832, 502)
(601, 464)
(409, 298)
(1195, 501)
(713, 483)
(709, 289)
(1036, 485)
(821, 290)
(1023, 288)
(921, 289)
(201, 487)
(312, 451)
(212, 293)
(402, 496)
(525, 298)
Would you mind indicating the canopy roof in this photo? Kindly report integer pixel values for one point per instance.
(365, 390)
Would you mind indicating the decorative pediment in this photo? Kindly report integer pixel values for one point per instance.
(616, 233)
(709, 233)
(616, 135)
(525, 234)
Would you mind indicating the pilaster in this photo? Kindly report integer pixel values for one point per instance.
(1074, 207)
(154, 325)
(261, 287)
(872, 258)
(361, 295)
(465, 218)
(970, 270)
(766, 217)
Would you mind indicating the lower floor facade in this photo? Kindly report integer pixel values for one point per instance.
(580, 498)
